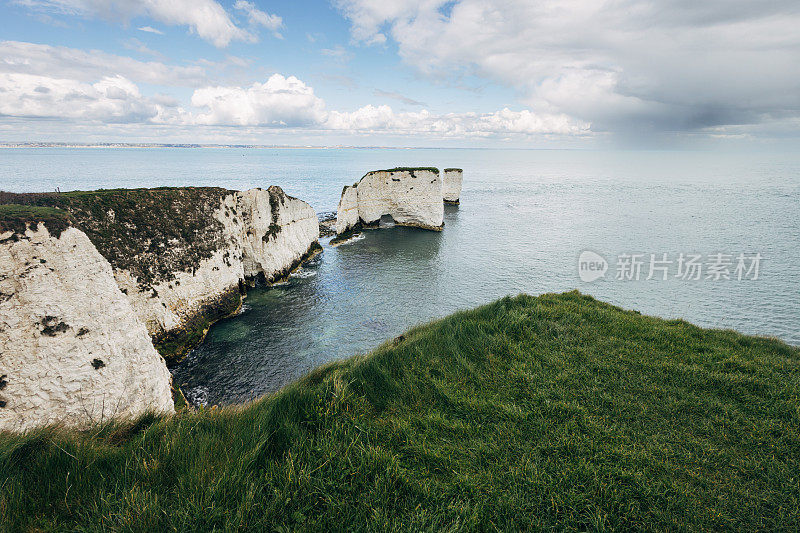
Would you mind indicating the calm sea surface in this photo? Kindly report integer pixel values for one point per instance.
(524, 219)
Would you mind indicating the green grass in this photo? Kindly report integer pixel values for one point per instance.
(17, 218)
(152, 233)
(404, 169)
(557, 412)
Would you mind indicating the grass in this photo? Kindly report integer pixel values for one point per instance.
(404, 169)
(557, 412)
(152, 233)
(16, 218)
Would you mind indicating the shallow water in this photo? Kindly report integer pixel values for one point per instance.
(524, 218)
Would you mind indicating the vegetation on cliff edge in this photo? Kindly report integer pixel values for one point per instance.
(403, 169)
(152, 233)
(17, 218)
(557, 412)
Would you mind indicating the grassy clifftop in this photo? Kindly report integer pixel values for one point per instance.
(18, 217)
(150, 232)
(552, 412)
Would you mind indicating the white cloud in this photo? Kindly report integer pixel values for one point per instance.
(382, 119)
(257, 17)
(279, 102)
(89, 66)
(38, 81)
(338, 52)
(635, 65)
(369, 18)
(150, 29)
(207, 18)
(110, 100)
(288, 102)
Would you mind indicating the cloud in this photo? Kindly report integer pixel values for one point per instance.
(91, 65)
(256, 17)
(626, 66)
(279, 102)
(110, 100)
(382, 119)
(399, 97)
(207, 18)
(150, 29)
(80, 91)
(338, 52)
(369, 19)
(284, 102)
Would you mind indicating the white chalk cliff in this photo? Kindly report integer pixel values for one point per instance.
(277, 231)
(72, 350)
(412, 197)
(262, 234)
(452, 179)
(82, 311)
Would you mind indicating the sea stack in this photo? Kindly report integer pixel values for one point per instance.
(411, 196)
(451, 185)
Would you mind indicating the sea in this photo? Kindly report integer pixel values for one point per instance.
(709, 237)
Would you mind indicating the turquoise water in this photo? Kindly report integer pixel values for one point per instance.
(524, 218)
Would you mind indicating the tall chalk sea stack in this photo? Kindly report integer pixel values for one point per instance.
(451, 185)
(411, 196)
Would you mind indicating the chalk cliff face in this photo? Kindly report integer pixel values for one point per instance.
(278, 231)
(257, 235)
(451, 185)
(182, 256)
(72, 350)
(347, 212)
(84, 309)
(412, 196)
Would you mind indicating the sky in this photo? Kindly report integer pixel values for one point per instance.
(451, 73)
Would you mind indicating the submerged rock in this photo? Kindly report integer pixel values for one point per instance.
(327, 223)
(411, 196)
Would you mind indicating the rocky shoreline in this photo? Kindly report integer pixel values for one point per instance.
(99, 289)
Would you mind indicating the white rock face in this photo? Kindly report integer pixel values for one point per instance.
(72, 350)
(274, 240)
(347, 212)
(268, 235)
(169, 305)
(76, 334)
(451, 184)
(411, 197)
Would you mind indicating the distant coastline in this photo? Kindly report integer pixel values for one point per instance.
(191, 145)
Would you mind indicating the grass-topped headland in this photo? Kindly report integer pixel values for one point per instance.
(558, 412)
(150, 232)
